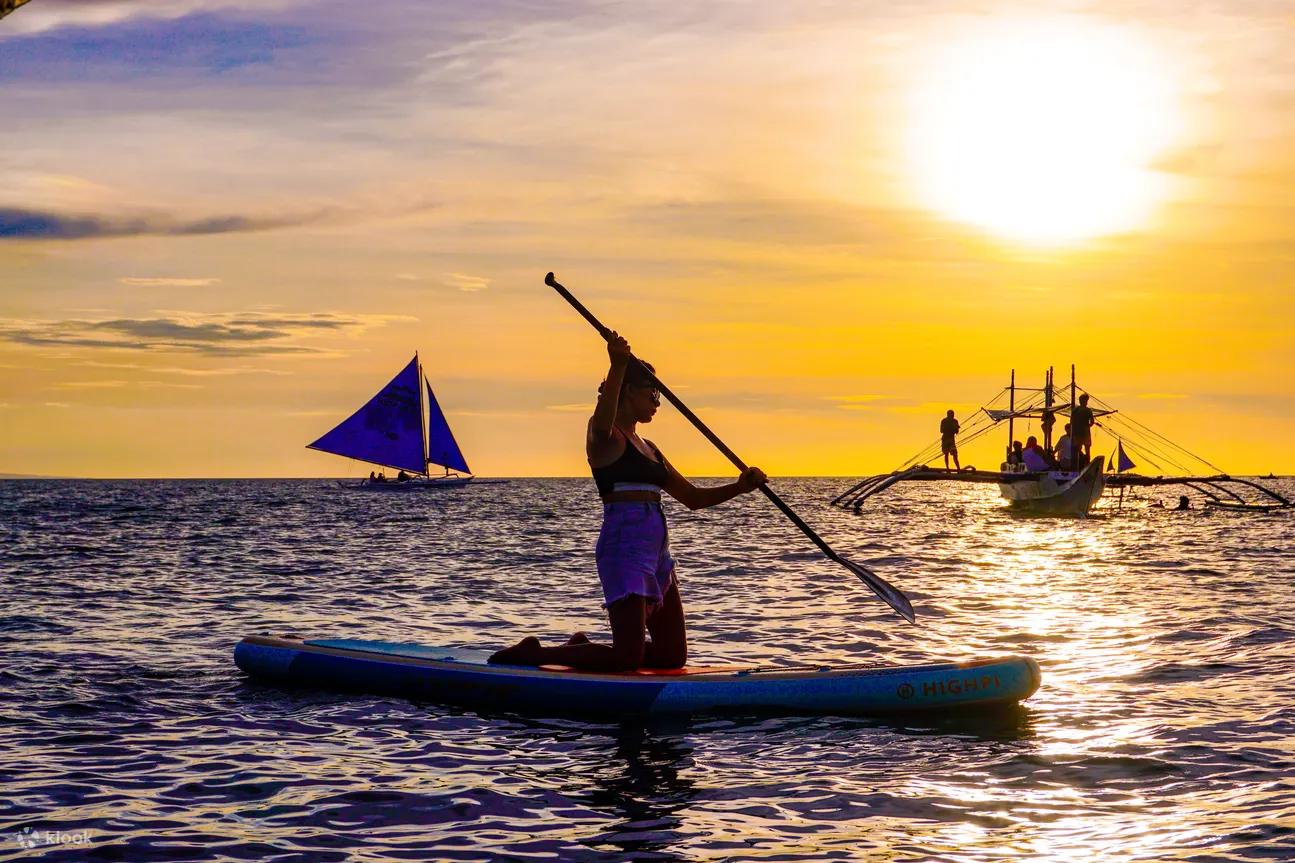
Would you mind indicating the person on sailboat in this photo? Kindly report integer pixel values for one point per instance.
(1082, 419)
(1016, 456)
(949, 428)
(639, 582)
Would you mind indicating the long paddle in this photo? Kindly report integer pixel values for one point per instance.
(893, 597)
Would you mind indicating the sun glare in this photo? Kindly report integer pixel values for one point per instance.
(1043, 130)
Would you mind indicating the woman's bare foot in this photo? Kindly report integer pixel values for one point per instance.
(523, 652)
(577, 638)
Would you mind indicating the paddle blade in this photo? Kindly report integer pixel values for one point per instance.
(891, 595)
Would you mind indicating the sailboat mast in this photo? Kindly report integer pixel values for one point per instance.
(1011, 406)
(422, 412)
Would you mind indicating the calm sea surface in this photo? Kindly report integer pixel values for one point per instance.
(1165, 728)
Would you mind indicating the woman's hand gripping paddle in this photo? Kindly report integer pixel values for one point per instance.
(893, 597)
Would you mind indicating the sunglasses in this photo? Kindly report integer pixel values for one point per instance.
(655, 393)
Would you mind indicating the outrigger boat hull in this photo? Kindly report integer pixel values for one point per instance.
(1056, 492)
(463, 677)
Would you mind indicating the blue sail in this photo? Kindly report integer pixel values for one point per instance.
(441, 447)
(387, 431)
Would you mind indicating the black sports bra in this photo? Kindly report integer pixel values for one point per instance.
(632, 466)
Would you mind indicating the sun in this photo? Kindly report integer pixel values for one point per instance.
(1043, 130)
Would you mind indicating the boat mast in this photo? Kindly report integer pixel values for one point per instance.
(1074, 450)
(1047, 409)
(422, 413)
(1011, 406)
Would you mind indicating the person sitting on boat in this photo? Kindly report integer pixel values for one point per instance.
(382, 476)
(402, 476)
(1016, 456)
(1064, 449)
(640, 586)
(1081, 417)
(372, 477)
(1035, 457)
(949, 428)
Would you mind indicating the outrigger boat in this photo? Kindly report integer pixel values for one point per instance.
(403, 428)
(1072, 488)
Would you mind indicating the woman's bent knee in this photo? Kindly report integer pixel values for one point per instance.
(675, 657)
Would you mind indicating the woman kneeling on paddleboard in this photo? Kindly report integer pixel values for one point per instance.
(640, 589)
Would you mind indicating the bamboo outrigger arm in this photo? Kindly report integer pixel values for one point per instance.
(1219, 482)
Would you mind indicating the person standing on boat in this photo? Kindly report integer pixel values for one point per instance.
(1082, 419)
(949, 428)
(1046, 422)
(640, 586)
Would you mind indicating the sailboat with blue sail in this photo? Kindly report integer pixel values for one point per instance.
(401, 428)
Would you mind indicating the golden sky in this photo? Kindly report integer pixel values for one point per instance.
(225, 225)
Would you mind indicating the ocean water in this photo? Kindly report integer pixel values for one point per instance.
(1164, 730)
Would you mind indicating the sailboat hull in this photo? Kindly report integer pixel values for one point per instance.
(416, 484)
(1057, 492)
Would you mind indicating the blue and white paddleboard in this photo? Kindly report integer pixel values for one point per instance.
(463, 677)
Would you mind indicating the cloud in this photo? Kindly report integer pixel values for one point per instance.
(86, 385)
(466, 283)
(23, 224)
(933, 408)
(49, 14)
(226, 334)
(113, 385)
(178, 283)
(857, 403)
(793, 223)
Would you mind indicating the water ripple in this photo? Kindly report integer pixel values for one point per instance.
(1163, 731)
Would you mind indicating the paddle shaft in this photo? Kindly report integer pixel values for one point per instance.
(696, 421)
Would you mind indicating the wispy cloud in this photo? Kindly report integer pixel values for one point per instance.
(168, 282)
(226, 334)
(26, 224)
(116, 385)
(223, 371)
(858, 402)
(89, 385)
(466, 283)
(51, 14)
(934, 408)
